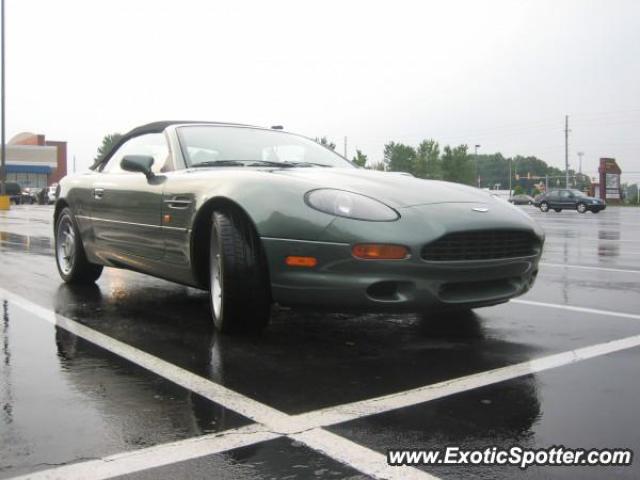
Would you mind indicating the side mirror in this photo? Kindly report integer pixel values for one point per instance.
(137, 163)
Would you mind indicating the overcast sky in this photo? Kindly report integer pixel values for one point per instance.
(501, 74)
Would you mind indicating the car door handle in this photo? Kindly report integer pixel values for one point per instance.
(178, 202)
(98, 193)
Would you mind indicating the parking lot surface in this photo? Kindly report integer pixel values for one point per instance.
(126, 379)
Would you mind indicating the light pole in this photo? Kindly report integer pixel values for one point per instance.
(580, 154)
(3, 156)
(510, 161)
(476, 159)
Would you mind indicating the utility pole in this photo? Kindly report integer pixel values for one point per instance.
(566, 150)
(580, 154)
(476, 159)
(345, 147)
(74, 164)
(510, 160)
(3, 161)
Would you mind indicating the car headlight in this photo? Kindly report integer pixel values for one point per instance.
(350, 205)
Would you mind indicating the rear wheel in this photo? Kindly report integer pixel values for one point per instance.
(72, 262)
(238, 279)
(582, 208)
(544, 206)
(558, 209)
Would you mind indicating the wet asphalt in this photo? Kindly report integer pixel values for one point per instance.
(66, 400)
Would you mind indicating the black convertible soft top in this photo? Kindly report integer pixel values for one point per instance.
(154, 127)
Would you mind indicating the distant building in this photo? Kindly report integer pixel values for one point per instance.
(33, 161)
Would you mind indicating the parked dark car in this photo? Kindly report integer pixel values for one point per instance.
(14, 191)
(568, 199)
(521, 199)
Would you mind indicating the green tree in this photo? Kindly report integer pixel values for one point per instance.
(325, 142)
(360, 159)
(518, 190)
(107, 143)
(399, 157)
(428, 163)
(457, 165)
(493, 170)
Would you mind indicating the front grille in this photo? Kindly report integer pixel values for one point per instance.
(481, 245)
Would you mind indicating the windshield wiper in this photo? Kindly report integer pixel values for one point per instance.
(270, 163)
(256, 163)
(242, 163)
(309, 164)
(218, 163)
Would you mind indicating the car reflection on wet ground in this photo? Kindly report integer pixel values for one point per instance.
(140, 369)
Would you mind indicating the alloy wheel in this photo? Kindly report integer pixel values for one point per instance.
(216, 281)
(66, 245)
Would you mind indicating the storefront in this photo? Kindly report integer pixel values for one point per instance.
(33, 161)
(29, 175)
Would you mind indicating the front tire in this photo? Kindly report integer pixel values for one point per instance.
(582, 208)
(71, 260)
(544, 207)
(238, 280)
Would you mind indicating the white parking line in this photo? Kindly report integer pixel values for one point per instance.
(560, 249)
(268, 418)
(587, 267)
(584, 240)
(361, 458)
(572, 308)
(245, 406)
(408, 398)
(156, 456)
(306, 428)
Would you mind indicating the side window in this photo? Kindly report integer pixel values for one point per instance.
(565, 194)
(153, 144)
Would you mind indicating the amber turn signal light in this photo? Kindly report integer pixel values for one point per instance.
(295, 261)
(379, 251)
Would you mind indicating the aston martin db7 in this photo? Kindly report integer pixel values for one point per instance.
(259, 216)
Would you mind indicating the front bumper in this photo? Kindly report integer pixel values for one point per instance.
(342, 282)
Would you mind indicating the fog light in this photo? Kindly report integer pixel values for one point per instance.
(380, 251)
(295, 261)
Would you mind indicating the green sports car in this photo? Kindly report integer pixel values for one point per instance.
(260, 216)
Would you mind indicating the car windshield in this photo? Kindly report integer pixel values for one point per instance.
(212, 145)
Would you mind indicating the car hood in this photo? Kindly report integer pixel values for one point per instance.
(395, 189)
